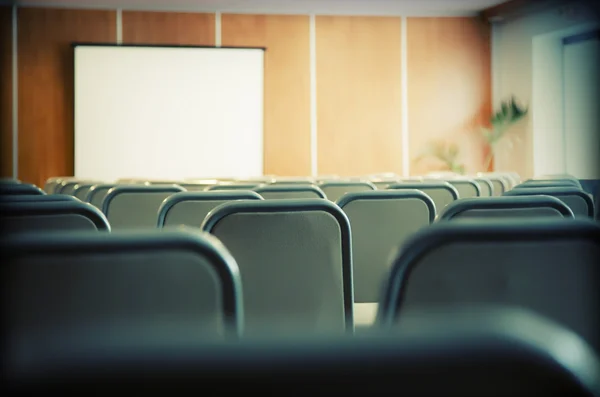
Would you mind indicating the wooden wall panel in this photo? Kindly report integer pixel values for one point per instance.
(449, 87)
(358, 95)
(287, 85)
(183, 28)
(6, 107)
(46, 84)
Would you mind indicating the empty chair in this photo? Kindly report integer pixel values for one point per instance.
(466, 188)
(383, 184)
(233, 186)
(190, 208)
(130, 285)
(19, 188)
(486, 186)
(82, 189)
(136, 207)
(97, 193)
(483, 354)
(442, 193)
(67, 186)
(501, 184)
(549, 266)
(506, 207)
(547, 183)
(295, 262)
(48, 215)
(579, 201)
(33, 198)
(195, 186)
(553, 177)
(380, 220)
(52, 183)
(292, 191)
(334, 190)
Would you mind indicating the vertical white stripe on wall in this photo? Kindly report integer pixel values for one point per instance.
(119, 26)
(313, 95)
(15, 97)
(404, 99)
(217, 29)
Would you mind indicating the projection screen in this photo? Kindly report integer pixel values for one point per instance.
(168, 112)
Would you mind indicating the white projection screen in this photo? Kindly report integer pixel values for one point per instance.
(168, 112)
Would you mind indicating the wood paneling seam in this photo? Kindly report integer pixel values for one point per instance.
(218, 29)
(119, 24)
(404, 98)
(313, 95)
(15, 97)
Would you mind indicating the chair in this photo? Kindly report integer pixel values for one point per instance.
(549, 266)
(465, 187)
(295, 259)
(51, 215)
(82, 189)
(66, 186)
(334, 190)
(484, 354)
(52, 183)
(125, 284)
(553, 177)
(233, 186)
(530, 184)
(292, 191)
(136, 206)
(97, 193)
(501, 184)
(506, 207)
(380, 220)
(579, 201)
(195, 186)
(486, 185)
(442, 193)
(33, 198)
(19, 188)
(190, 208)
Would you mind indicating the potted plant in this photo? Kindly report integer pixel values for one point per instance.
(509, 114)
(446, 152)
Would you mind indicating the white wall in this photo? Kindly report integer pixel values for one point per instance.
(513, 74)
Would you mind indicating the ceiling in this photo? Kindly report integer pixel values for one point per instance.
(338, 7)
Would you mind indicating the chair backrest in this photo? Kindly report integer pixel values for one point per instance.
(380, 220)
(530, 184)
(442, 193)
(579, 201)
(19, 217)
(549, 266)
(292, 191)
(383, 184)
(136, 207)
(295, 259)
(334, 190)
(501, 183)
(53, 182)
(82, 189)
(133, 283)
(493, 353)
(67, 186)
(553, 177)
(19, 188)
(191, 208)
(97, 193)
(506, 207)
(486, 185)
(195, 186)
(233, 186)
(33, 198)
(466, 188)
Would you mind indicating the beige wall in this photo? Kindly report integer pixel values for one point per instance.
(358, 118)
